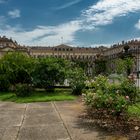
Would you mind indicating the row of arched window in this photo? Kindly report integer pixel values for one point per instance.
(66, 56)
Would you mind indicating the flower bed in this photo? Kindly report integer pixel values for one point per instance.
(107, 103)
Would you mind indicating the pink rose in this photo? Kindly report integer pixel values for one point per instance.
(127, 97)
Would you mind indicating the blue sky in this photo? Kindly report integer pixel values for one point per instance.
(78, 22)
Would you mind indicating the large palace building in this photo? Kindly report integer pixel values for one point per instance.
(60, 51)
(67, 52)
(8, 45)
(75, 53)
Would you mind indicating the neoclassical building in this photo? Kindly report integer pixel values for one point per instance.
(117, 50)
(8, 45)
(87, 54)
(66, 52)
(60, 51)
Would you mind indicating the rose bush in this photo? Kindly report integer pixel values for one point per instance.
(112, 98)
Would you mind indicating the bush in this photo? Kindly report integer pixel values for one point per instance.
(100, 82)
(76, 78)
(111, 104)
(128, 88)
(4, 83)
(113, 98)
(23, 90)
(17, 67)
(49, 72)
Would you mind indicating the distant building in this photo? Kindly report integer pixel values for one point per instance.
(67, 52)
(117, 50)
(8, 45)
(87, 54)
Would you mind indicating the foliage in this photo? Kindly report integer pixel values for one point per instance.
(134, 110)
(128, 88)
(125, 87)
(76, 78)
(23, 90)
(120, 67)
(100, 82)
(100, 66)
(17, 68)
(123, 66)
(48, 72)
(113, 98)
(4, 83)
(81, 64)
(110, 103)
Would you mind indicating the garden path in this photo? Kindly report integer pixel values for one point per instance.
(47, 121)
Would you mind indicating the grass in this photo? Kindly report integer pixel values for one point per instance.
(134, 110)
(39, 96)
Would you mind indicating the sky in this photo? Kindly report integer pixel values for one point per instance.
(72, 22)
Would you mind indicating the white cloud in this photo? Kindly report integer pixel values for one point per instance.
(43, 35)
(99, 45)
(14, 14)
(68, 4)
(100, 14)
(105, 11)
(137, 25)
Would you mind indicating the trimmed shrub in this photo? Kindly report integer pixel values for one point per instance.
(23, 90)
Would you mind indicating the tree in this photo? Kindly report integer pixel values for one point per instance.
(48, 72)
(77, 78)
(123, 66)
(17, 67)
(4, 82)
(100, 66)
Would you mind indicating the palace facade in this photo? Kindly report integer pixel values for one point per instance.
(66, 52)
(118, 50)
(8, 45)
(87, 54)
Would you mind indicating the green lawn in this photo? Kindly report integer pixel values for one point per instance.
(134, 110)
(39, 96)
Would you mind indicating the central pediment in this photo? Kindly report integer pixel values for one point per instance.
(63, 46)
